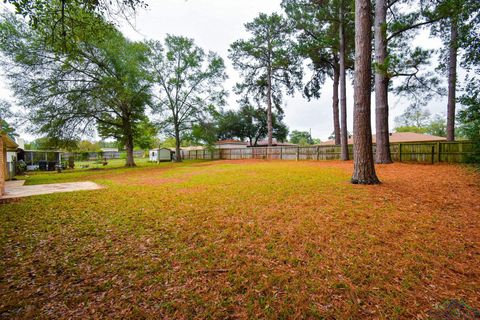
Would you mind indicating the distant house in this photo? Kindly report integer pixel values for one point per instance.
(109, 149)
(230, 144)
(160, 154)
(398, 137)
(190, 148)
(8, 146)
(275, 143)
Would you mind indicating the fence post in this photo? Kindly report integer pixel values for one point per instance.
(399, 152)
(460, 152)
(318, 153)
(281, 153)
(438, 152)
(298, 152)
(433, 154)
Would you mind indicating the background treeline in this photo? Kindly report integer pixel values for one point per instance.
(74, 74)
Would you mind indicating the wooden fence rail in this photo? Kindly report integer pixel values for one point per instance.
(422, 152)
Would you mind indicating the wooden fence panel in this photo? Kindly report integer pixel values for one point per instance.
(415, 152)
(422, 152)
(455, 152)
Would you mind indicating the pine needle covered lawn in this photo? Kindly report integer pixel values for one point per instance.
(244, 239)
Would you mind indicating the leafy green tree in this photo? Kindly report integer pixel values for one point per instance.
(250, 123)
(102, 85)
(146, 135)
(42, 143)
(452, 13)
(301, 137)
(417, 119)
(414, 129)
(415, 115)
(60, 22)
(460, 18)
(435, 126)
(6, 114)
(469, 117)
(87, 146)
(326, 38)
(469, 114)
(204, 133)
(395, 27)
(108, 144)
(189, 85)
(268, 63)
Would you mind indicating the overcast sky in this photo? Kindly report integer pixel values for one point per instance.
(215, 24)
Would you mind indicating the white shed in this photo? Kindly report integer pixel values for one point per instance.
(161, 154)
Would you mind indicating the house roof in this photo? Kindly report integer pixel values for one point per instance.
(231, 141)
(191, 148)
(264, 143)
(8, 141)
(398, 137)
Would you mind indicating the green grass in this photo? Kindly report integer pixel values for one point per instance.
(94, 171)
(238, 239)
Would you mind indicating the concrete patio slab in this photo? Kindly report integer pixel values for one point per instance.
(16, 189)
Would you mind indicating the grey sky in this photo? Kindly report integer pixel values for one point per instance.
(215, 24)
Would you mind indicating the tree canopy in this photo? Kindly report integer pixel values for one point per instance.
(102, 85)
(268, 64)
(250, 123)
(189, 85)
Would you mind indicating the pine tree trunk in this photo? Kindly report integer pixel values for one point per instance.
(178, 155)
(364, 168)
(452, 80)
(343, 89)
(381, 84)
(269, 107)
(336, 115)
(130, 162)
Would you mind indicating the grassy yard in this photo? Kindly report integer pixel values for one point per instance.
(243, 239)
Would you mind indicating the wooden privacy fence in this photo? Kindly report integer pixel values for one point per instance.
(423, 152)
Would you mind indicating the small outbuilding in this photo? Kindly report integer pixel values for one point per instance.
(160, 154)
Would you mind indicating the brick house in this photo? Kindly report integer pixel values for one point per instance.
(6, 144)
